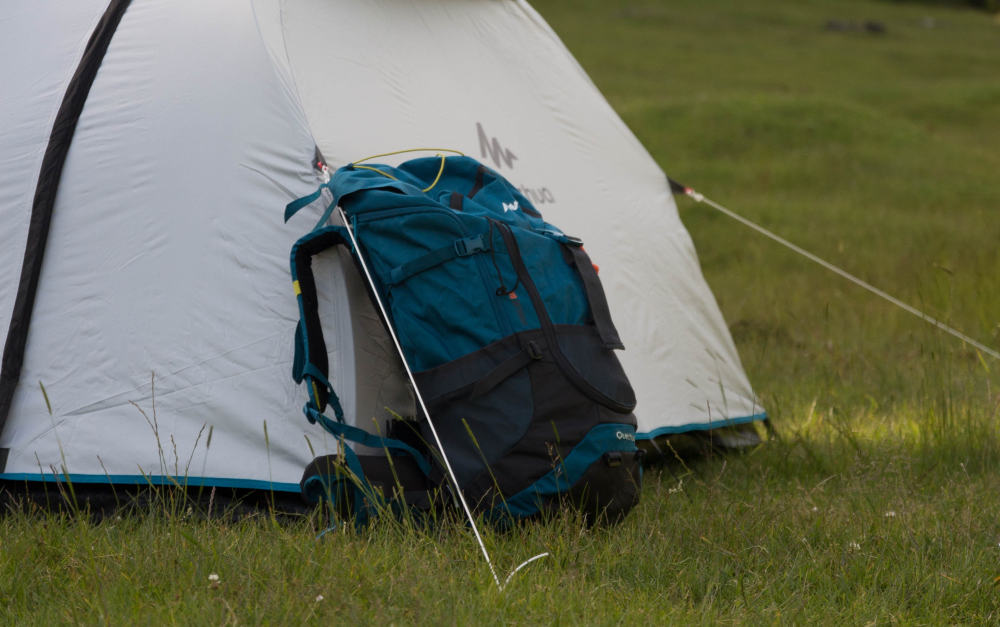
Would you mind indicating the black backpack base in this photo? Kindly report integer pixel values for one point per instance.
(604, 493)
(392, 484)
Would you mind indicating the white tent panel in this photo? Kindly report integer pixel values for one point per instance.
(29, 99)
(168, 257)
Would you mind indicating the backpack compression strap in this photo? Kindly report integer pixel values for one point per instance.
(362, 437)
(595, 296)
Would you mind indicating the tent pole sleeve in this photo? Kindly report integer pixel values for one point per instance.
(46, 189)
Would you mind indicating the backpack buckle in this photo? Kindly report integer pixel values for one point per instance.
(613, 459)
(534, 350)
(469, 245)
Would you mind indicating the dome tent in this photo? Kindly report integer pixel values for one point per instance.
(159, 341)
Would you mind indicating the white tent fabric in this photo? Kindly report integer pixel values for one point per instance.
(163, 326)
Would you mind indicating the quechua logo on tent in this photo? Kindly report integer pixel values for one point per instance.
(491, 148)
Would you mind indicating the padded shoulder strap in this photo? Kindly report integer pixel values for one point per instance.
(310, 362)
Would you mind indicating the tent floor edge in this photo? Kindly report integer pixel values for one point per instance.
(695, 444)
(101, 501)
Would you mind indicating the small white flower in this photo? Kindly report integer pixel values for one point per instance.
(213, 577)
(815, 509)
(854, 546)
(319, 597)
(890, 514)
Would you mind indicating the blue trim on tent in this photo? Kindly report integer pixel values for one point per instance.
(256, 484)
(700, 426)
(207, 482)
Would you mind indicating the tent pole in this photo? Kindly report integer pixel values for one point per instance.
(423, 407)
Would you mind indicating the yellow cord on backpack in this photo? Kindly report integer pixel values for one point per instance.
(368, 167)
(398, 152)
(405, 150)
(436, 178)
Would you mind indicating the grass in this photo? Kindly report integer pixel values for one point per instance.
(875, 152)
(846, 520)
(878, 503)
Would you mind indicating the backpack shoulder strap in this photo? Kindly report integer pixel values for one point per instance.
(310, 363)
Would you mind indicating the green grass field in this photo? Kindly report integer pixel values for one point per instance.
(878, 504)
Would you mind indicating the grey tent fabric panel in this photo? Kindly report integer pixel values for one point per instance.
(164, 311)
(165, 290)
(44, 201)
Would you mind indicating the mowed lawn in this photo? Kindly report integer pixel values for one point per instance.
(879, 501)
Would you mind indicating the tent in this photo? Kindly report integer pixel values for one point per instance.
(158, 336)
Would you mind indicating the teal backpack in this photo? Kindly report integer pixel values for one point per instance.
(503, 321)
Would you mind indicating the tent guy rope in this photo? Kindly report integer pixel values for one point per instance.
(701, 198)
